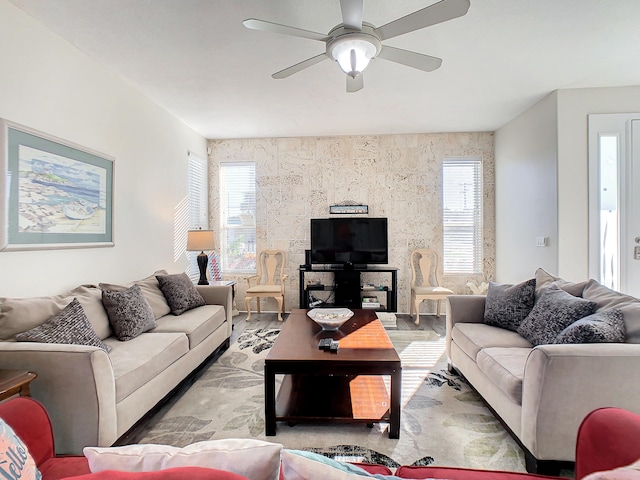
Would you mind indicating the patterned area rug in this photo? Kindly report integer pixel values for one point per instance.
(444, 422)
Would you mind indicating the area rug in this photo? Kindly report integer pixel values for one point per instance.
(443, 421)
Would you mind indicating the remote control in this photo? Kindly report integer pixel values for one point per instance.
(324, 343)
(334, 346)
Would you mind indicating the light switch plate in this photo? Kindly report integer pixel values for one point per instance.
(542, 241)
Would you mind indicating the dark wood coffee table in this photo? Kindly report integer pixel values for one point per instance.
(323, 387)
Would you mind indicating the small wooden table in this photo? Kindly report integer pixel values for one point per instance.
(324, 387)
(15, 382)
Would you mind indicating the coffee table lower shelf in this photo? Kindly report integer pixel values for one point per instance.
(333, 399)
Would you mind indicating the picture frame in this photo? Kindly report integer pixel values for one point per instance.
(349, 209)
(53, 194)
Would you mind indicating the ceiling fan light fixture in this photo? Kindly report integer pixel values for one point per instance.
(353, 53)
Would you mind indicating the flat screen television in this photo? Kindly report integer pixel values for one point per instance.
(349, 241)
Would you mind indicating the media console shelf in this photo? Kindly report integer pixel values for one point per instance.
(347, 286)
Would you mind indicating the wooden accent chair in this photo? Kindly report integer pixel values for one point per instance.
(268, 281)
(426, 280)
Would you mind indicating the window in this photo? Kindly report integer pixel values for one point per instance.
(462, 215)
(198, 206)
(238, 216)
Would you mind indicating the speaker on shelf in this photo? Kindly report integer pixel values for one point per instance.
(307, 259)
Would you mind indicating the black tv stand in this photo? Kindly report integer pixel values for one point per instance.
(347, 286)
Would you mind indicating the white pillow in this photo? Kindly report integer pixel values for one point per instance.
(254, 459)
(301, 465)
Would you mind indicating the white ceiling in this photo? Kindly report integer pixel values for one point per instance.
(197, 60)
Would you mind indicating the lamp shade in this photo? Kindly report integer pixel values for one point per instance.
(200, 240)
(353, 55)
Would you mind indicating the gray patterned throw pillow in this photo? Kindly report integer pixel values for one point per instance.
(554, 311)
(180, 292)
(601, 327)
(507, 306)
(70, 326)
(129, 312)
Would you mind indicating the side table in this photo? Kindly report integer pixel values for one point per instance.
(228, 283)
(14, 382)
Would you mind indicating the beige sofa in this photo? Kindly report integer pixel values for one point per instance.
(94, 397)
(542, 393)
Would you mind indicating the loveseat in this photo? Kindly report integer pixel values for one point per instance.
(102, 376)
(607, 448)
(542, 389)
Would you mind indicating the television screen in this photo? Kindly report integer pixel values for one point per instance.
(349, 241)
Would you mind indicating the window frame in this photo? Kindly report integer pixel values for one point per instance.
(198, 196)
(454, 260)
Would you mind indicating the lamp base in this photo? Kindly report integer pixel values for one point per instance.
(203, 259)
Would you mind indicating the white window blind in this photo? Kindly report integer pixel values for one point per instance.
(198, 206)
(462, 215)
(238, 216)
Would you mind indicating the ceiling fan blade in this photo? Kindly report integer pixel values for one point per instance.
(263, 25)
(352, 13)
(410, 59)
(287, 72)
(431, 15)
(355, 84)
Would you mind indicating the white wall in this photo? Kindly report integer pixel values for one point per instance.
(574, 106)
(526, 193)
(49, 85)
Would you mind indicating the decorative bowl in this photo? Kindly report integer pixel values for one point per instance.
(330, 319)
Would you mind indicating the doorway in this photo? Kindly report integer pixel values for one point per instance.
(614, 201)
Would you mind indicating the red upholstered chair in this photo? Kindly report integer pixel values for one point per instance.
(31, 423)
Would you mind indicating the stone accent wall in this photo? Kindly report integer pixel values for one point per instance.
(397, 176)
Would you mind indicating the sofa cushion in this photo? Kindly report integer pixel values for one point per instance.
(472, 337)
(606, 326)
(505, 368)
(554, 311)
(544, 279)
(507, 306)
(606, 298)
(254, 459)
(151, 290)
(15, 459)
(129, 312)
(197, 323)
(139, 360)
(18, 315)
(180, 292)
(69, 326)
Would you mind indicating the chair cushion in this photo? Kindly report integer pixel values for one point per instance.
(432, 290)
(265, 289)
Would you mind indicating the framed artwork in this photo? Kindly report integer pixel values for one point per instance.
(53, 194)
(349, 209)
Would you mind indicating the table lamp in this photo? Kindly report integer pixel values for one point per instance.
(201, 240)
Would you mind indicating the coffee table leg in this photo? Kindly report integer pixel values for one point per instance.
(269, 401)
(396, 396)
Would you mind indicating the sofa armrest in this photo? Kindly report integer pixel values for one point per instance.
(219, 295)
(74, 382)
(463, 309)
(563, 383)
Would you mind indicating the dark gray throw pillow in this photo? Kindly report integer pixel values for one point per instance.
(129, 312)
(554, 311)
(70, 326)
(601, 327)
(506, 306)
(180, 292)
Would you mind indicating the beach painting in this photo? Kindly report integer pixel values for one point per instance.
(59, 195)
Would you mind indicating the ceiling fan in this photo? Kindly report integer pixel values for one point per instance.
(353, 43)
